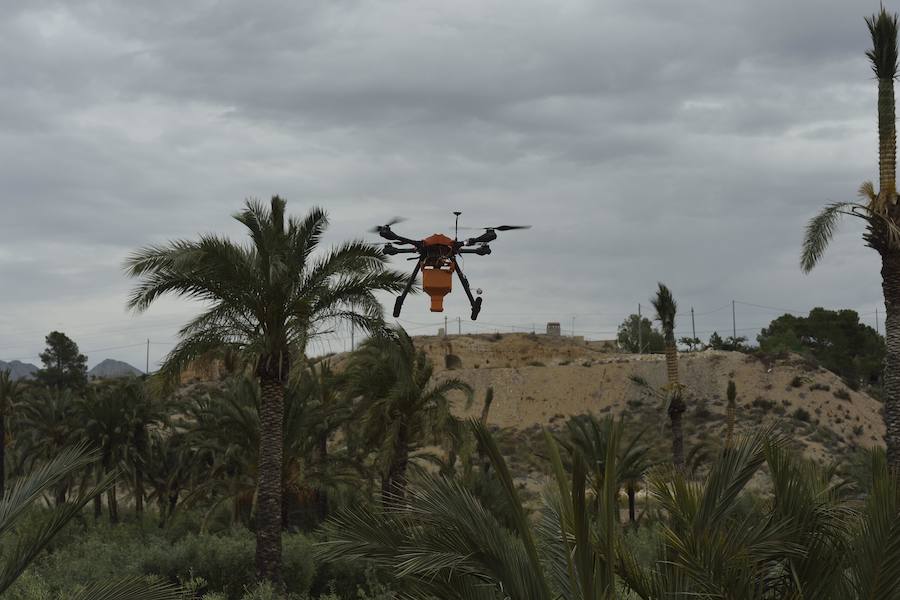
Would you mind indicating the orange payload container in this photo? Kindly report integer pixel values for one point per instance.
(437, 283)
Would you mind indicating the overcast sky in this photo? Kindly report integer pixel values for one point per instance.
(685, 142)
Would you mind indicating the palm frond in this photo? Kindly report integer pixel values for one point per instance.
(819, 232)
(134, 588)
(883, 55)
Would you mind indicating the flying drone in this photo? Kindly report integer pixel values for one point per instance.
(437, 259)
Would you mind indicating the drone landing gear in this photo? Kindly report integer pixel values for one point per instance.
(398, 303)
(475, 302)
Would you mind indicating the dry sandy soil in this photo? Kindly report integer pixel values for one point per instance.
(540, 380)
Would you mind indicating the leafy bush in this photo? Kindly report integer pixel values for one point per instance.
(820, 386)
(842, 394)
(763, 403)
(226, 562)
(801, 415)
(797, 381)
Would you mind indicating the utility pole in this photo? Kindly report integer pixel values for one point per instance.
(733, 324)
(352, 336)
(876, 321)
(573, 325)
(640, 330)
(459, 325)
(693, 325)
(445, 326)
(147, 370)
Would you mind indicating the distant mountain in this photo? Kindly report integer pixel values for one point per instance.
(113, 369)
(18, 369)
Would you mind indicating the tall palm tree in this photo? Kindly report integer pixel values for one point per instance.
(266, 299)
(10, 392)
(401, 407)
(47, 425)
(881, 213)
(666, 308)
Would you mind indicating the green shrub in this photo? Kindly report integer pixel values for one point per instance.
(820, 386)
(797, 381)
(227, 562)
(842, 394)
(763, 403)
(801, 415)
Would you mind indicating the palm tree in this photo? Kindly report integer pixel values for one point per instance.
(22, 546)
(321, 391)
(401, 406)
(104, 418)
(141, 415)
(810, 539)
(47, 425)
(266, 300)
(591, 438)
(445, 543)
(881, 213)
(666, 308)
(10, 392)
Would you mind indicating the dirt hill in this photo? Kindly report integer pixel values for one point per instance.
(540, 380)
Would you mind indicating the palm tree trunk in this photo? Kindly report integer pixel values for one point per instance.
(890, 277)
(393, 486)
(631, 501)
(676, 403)
(322, 493)
(729, 424)
(113, 504)
(139, 492)
(269, 484)
(887, 142)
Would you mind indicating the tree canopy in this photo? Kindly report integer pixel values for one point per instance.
(64, 365)
(650, 338)
(835, 338)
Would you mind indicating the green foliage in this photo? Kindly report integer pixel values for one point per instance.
(731, 343)
(650, 337)
(666, 308)
(64, 366)
(801, 414)
(836, 339)
(226, 562)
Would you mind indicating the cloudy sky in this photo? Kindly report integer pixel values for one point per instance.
(647, 141)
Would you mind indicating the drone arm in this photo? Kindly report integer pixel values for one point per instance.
(476, 303)
(481, 250)
(398, 304)
(488, 236)
(388, 234)
(390, 250)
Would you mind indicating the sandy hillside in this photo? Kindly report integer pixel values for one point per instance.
(539, 380)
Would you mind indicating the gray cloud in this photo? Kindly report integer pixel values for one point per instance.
(685, 142)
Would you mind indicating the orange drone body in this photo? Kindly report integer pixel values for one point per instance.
(437, 269)
(437, 259)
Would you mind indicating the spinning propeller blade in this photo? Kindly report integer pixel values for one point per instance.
(498, 228)
(393, 221)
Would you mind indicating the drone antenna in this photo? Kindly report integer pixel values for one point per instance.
(456, 234)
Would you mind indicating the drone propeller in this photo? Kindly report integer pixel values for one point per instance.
(393, 221)
(498, 228)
